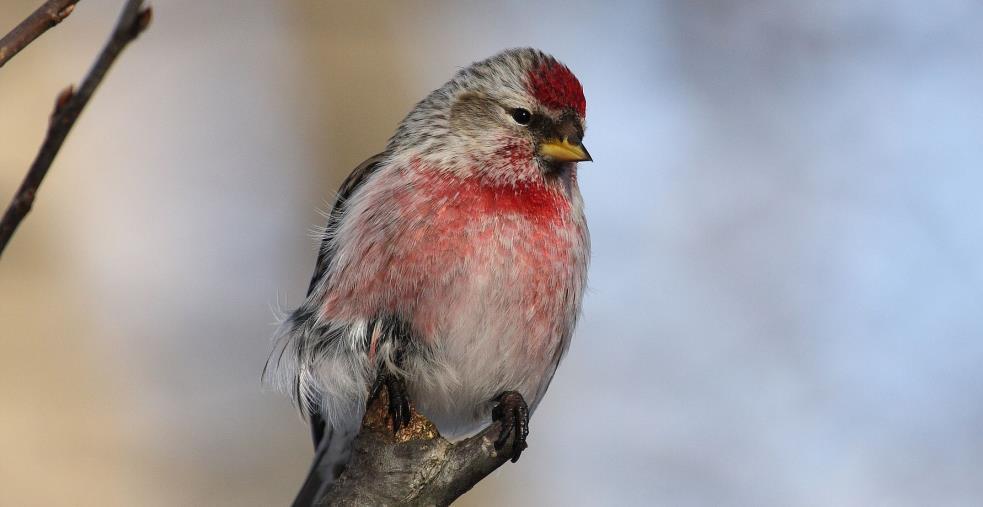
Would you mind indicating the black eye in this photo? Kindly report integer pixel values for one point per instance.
(521, 116)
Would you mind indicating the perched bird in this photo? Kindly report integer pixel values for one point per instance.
(452, 267)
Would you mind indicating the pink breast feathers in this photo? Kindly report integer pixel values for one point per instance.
(463, 201)
(451, 234)
(476, 229)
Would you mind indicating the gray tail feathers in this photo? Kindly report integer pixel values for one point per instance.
(330, 458)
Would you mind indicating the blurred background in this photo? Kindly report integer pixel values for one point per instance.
(786, 294)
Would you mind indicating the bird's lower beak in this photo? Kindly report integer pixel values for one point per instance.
(564, 151)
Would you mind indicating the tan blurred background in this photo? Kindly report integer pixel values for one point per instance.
(786, 302)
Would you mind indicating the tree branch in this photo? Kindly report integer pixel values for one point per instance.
(68, 106)
(417, 466)
(48, 15)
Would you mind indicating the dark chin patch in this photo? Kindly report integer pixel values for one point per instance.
(560, 173)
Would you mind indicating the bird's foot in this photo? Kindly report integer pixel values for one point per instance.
(511, 410)
(399, 400)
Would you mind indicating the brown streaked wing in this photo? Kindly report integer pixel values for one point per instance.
(348, 187)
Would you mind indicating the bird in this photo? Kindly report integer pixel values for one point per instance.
(452, 269)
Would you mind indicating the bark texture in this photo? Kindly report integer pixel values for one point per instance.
(416, 466)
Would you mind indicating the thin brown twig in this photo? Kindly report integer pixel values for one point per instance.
(48, 15)
(133, 20)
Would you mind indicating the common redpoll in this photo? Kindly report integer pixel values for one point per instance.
(453, 264)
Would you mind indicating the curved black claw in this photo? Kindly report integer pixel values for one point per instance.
(513, 413)
(399, 400)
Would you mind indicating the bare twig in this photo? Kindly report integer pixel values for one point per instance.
(48, 15)
(415, 467)
(69, 104)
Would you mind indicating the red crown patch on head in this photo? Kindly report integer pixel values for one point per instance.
(555, 86)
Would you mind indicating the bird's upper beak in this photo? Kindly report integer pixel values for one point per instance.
(564, 151)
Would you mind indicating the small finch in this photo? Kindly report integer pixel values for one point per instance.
(452, 267)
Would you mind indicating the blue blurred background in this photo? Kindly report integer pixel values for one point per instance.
(786, 294)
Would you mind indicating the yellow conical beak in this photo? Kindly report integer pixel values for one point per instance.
(563, 151)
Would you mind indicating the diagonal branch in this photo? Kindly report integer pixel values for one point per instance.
(133, 20)
(48, 15)
(417, 466)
